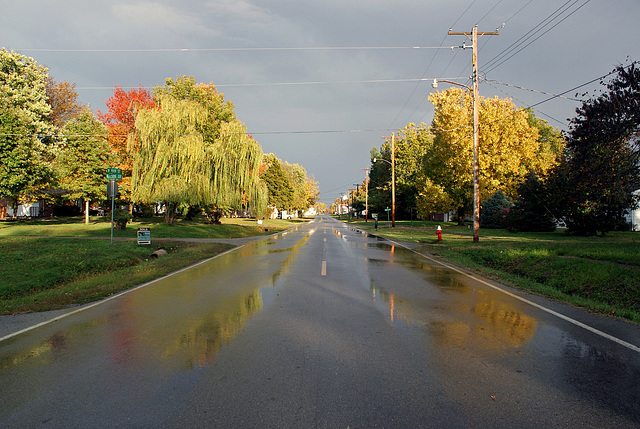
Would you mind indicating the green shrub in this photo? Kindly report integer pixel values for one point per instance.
(494, 211)
(120, 218)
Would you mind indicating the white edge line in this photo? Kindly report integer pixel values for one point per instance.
(102, 301)
(526, 301)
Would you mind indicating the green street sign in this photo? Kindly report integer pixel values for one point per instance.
(114, 174)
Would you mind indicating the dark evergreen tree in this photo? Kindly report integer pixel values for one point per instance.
(532, 209)
(494, 211)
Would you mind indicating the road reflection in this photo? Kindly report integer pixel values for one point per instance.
(470, 332)
(180, 322)
(495, 323)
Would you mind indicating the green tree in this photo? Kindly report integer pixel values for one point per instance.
(601, 167)
(305, 189)
(494, 211)
(84, 158)
(532, 209)
(279, 188)
(25, 150)
(410, 147)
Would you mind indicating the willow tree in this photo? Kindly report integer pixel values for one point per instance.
(511, 146)
(178, 161)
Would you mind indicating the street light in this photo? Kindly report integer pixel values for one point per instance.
(393, 180)
(476, 166)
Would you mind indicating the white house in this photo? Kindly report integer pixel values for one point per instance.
(634, 216)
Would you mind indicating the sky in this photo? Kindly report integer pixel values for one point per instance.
(319, 83)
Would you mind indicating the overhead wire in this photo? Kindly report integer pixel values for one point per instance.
(522, 103)
(225, 85)
(500, 59)
(554, 96)
(506, 21)
(426, 70)
(293, 48)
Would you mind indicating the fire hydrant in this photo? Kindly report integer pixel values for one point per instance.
(439, 233)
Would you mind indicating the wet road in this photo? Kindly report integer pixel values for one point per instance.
(322, 327)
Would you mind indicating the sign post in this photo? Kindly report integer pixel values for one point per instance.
(113, 174)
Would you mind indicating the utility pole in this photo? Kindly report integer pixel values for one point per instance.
(393, 178)
(366, 194)
(476, 165)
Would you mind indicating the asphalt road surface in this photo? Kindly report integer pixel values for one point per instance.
(322, 327)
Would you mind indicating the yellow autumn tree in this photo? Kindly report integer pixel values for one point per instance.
(511, 144)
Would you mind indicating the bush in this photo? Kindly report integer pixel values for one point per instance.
(143, 211)
(530, 213)
(494, 211)
(120, 218)
(214, 216)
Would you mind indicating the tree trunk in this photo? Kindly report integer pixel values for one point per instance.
(461, 216)
(14, 207)
(170, 213)
(86, 212)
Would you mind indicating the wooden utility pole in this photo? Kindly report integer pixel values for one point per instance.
(476, 165)
(393, 178)
(366, 194)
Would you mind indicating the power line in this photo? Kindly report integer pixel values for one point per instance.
(541, 113)
(201, 134)
(427, 69)
(530, 90)
(498, 60)
(301, 48)
(286, 83)
(503, 25)
(523, 37)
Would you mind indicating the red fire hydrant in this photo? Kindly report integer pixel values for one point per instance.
(439, 233)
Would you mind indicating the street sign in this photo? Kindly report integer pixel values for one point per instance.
(114, 174)
(144, 236)
(112, 189)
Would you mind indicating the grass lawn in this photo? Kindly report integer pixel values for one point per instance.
(601, 274)
(45, 266)
(100, 226)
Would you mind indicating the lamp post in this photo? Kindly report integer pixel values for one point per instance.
(393, 179)
(476, 165)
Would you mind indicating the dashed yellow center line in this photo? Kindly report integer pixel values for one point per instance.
(324, 268)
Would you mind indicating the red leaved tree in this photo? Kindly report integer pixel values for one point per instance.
(120, 120)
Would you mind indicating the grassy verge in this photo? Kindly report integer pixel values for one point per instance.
(101, 227)
(38, 274)
(601, 274)
(44, 266)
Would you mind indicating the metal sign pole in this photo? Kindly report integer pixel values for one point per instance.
(112, 206)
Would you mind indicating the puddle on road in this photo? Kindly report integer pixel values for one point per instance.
(181, 322)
